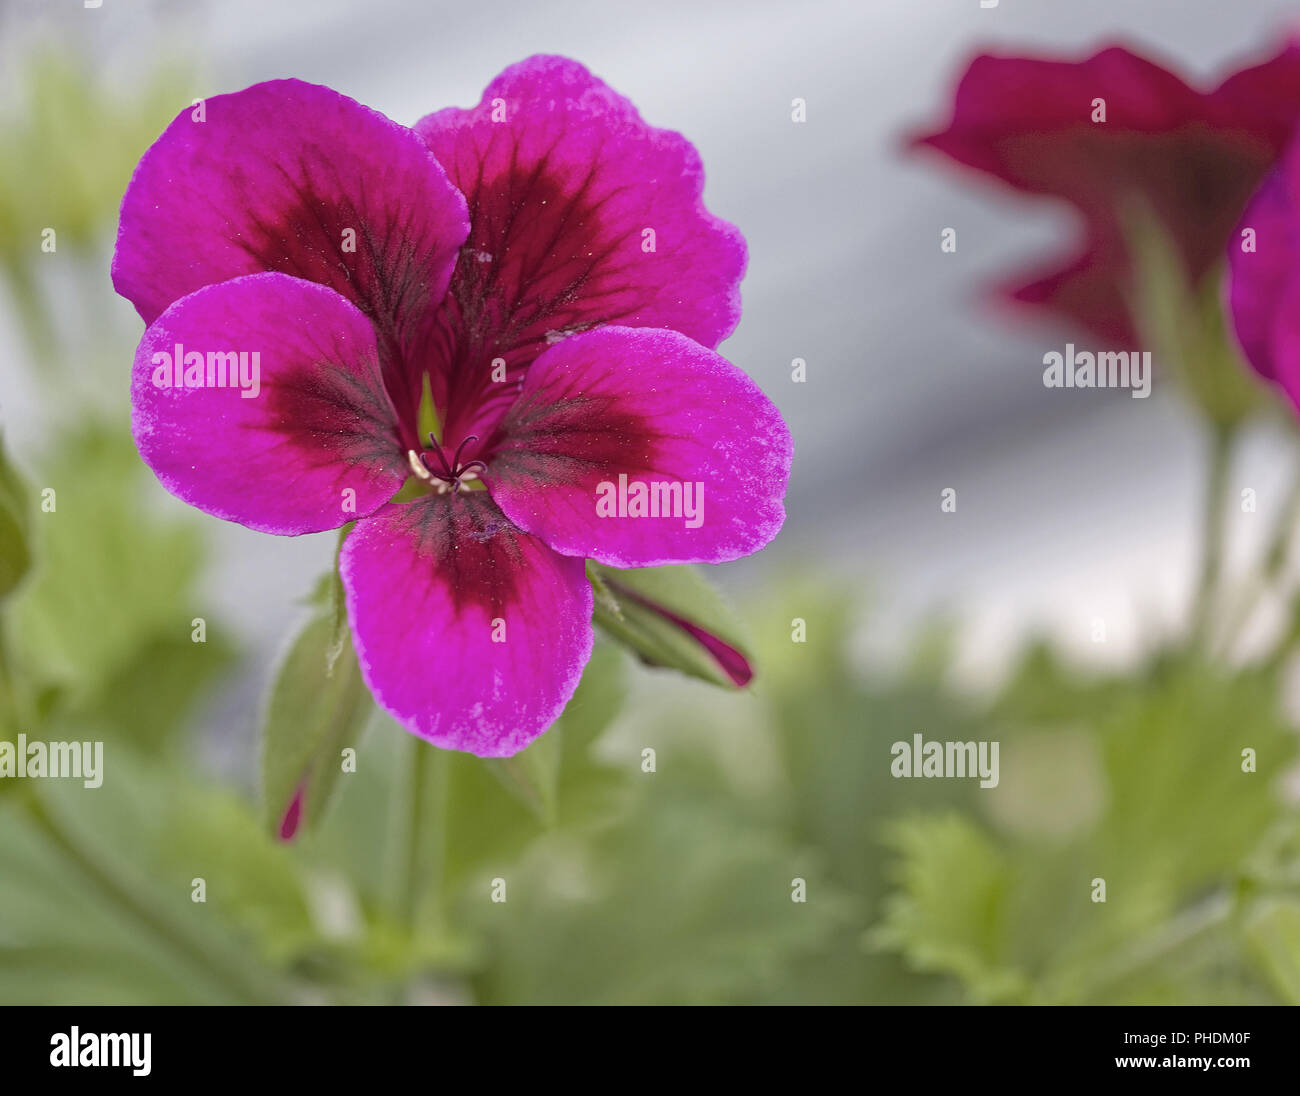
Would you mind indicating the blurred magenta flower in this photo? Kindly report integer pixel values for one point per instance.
(1264, 277)
(1192, 158)
(535, 278)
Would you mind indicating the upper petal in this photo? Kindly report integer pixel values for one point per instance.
(313, 446)
(1266, 94)
(292, 177)
(581, 214)
(470, 632)
(712, 452)
(1008, 112)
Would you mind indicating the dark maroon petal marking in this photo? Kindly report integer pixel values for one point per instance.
(563, 179)
(291, 177)
(309, 445)
(654, 409)
(470, 632)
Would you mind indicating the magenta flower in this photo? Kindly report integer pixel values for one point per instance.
(539, 269)
(1115, 134)
(1263, 286)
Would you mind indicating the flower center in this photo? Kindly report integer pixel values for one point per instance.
(442, 474)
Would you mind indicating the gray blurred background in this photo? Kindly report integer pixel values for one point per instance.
(1072, 505)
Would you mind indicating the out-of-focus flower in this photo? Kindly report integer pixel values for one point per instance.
(1118, 136)
(1264, 277)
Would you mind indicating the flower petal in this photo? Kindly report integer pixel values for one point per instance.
(564, 181)
(1284, 345)
(470, 632)
(315, 446)
(1258, 280)
(712, 451)
(1189, 158)
(1267, 94)
(296, 178)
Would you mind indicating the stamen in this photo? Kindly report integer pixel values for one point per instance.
(417, 465)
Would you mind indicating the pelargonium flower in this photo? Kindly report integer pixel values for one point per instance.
(1190, 157)
(537, 278)
(1263, 281)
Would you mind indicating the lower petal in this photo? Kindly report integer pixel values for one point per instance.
(470, 632)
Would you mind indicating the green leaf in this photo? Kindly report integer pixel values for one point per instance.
(318, 707)
(1135, 779)
(651, 611)
(533, 774)
(1273, 939)
(557, 777)
(149, 701)
(98, 903)
(950, 911)
(682, 902)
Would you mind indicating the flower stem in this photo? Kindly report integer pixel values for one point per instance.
(1272, 565)
(405, 824)
(1221, 438)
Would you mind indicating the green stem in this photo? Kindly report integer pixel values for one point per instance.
(1272, 565)
(244, 985)
(417, 839)
(418, 766)
(439, 765)
(1182, 932)
(412, 876)
(1221, 438)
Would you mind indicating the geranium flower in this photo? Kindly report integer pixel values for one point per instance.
(1192, 158)
(1263, 286)
(537, 274)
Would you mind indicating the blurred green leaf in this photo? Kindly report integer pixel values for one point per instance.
(68, 146)
(15, 557)
(110, 577)
(318, 707)
(150, 699)
(479, 824)
(950, 912)
(1173, 819)
(699, 921)
(97, 904)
